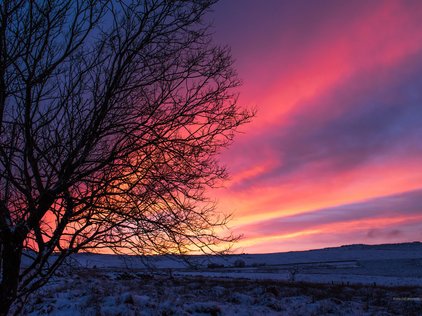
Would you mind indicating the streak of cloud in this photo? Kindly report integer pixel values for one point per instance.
(338, 87)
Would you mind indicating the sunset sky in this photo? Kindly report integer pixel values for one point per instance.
(334, 155)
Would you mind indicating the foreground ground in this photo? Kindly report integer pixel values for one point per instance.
(90, 291)
(348, 280)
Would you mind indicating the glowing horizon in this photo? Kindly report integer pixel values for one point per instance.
(338, 89)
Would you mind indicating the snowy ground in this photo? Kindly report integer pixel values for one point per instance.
(100, 292)
(352, 280)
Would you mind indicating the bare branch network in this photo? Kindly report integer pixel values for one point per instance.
(112, 115)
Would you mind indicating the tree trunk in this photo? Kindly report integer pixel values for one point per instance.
(11, 260)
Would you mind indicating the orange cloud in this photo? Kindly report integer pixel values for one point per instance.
(305, 238)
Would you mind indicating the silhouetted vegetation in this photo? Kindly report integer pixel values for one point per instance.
(112, 114)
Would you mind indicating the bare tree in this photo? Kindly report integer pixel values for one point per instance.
(112, 115)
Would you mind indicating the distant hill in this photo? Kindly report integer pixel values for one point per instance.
(405, 251)
(396, 246)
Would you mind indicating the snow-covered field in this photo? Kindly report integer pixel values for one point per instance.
(350, 280)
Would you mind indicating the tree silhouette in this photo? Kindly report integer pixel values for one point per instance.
(112, 115)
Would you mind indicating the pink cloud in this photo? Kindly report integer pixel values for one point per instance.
(338, 90)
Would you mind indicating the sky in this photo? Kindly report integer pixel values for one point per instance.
(334, 155)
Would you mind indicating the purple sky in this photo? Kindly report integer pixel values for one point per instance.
(334, 155)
